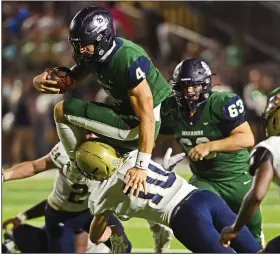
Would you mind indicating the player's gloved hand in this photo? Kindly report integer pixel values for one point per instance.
(136, 178)
(200, 151)
(15, 222)
(227, 234)
(118, 244)
(43, 85)
(170, 162)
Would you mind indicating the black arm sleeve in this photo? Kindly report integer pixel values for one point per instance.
(36, 211)
(260, 156)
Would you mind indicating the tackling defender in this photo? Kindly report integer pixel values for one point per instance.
(195, 216)
(126, 72)
(264, 164)
(66, 212)
(212, 129)
(30, 239)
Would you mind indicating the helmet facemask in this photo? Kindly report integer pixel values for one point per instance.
(190, 100)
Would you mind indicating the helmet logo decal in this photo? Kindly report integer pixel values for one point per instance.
(116, 163)
(98, 19)
(206, 67)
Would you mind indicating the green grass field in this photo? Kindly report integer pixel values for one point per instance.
(17, 196)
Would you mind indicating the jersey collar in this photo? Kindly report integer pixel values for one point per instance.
(117, 43)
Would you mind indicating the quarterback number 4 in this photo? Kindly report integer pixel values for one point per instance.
(236, 109)
(140, 74)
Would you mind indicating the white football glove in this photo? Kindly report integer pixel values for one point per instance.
(118, 244)
(170, 162)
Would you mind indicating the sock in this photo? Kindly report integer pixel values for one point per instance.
(8, 246)
(71, 136)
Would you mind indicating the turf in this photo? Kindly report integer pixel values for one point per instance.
(17, 196)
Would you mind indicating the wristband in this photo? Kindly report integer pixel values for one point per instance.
(22, 216)
(143, 160)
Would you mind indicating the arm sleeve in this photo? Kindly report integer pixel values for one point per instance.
(231, 112)
(36, 211)
(137, 71)
(258, 156)
(59, 156)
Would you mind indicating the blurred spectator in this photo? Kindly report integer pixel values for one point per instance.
(255, 100)
(151, 19)
(23, 140)
(122, 21)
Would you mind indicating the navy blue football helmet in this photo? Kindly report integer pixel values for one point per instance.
(92, 25)
(192, 72)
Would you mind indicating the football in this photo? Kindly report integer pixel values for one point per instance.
(64, 78)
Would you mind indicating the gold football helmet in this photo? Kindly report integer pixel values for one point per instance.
(97, 161)
(272, 114)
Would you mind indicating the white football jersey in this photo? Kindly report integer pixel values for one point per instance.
(71, 189)
(273, 145)
(165, 191)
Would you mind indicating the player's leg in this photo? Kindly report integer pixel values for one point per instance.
(223, 216)
(273, 246)
(162, 236)
(192, 225)
(81, 242)
(233, 192)
(113, 221)
(62, 227)
(97, 248)
(73, 116)
(30, 239)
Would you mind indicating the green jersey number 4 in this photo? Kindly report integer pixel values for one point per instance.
(140, 74)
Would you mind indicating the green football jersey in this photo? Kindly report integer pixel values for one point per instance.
(214, 120)
(125, 67)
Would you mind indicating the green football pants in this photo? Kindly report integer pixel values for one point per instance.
(233, 192)
(109, 123)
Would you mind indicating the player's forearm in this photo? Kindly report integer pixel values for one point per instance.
(147, 133)
(256, 194)
(28, 169)
(248, 208)
(23, 170)
(36, 211)
(98, 229)
(232, 143)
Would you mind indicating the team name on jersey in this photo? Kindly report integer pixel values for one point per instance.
(192, 133)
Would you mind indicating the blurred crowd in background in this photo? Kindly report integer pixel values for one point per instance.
(34, 37)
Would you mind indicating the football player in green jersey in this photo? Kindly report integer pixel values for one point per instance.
(212, 129)
(126, 72)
